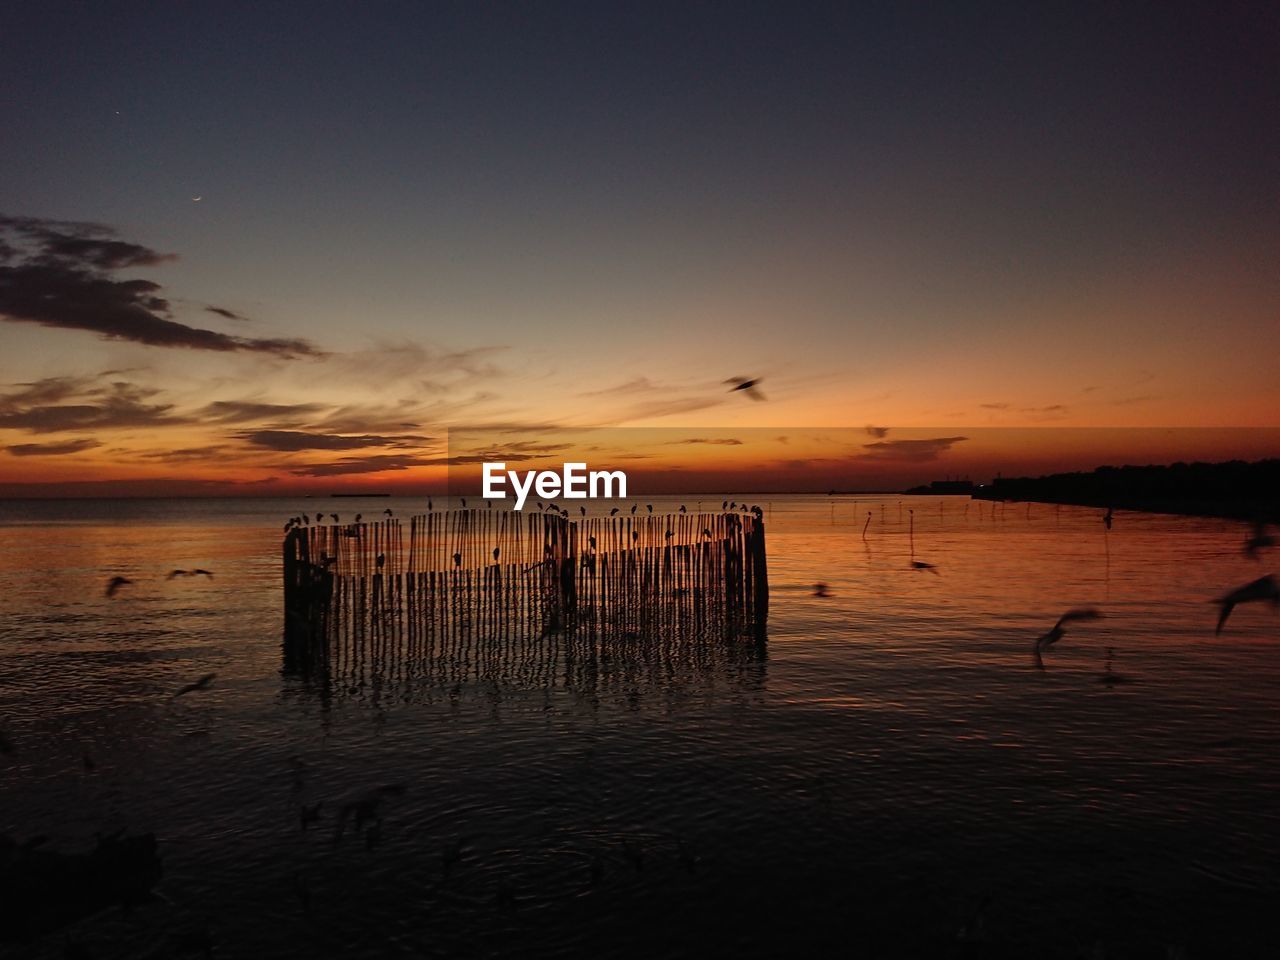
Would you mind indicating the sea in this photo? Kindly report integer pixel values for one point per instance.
(889, 774)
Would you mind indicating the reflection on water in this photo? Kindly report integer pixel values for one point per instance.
(895, 778)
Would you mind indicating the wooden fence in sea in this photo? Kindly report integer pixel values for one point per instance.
(485, 585)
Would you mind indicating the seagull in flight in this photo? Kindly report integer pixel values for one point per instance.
(747, 385)
(1045, 641)
(115, 583)
(1264, 588)
(921, 565)
(201, 684)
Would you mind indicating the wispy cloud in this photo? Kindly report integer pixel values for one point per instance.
(53, 449)
(285, 441)
(910, 451)
(712, 441)
(117, 404)
(377, 463)
(61, 274)
(252, 411)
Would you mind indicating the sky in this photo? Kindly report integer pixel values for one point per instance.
(258, 248)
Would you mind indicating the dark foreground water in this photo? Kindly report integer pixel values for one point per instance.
(892, 778)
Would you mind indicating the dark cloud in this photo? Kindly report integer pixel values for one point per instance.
(113, 405)
(912, 451)
(184, 454)
(878, 432)
(378, 463)
(251, 411)
(286, 441)
(713, 441)
(60, 275)
(53, 449)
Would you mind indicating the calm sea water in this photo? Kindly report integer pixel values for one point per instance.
(894, 777)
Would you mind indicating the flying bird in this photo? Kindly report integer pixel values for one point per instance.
(820, 589)
(1264, 588)
(177, 573)
(201, 684)
(921, 565)
(115, 583)
(747, 386)
(1046, 640)
(198, 572)
(388, 512)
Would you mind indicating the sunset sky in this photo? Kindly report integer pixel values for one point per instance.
(247, 249)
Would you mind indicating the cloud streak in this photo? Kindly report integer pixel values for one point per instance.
(292, 441)
(909, 451)
(59, 449)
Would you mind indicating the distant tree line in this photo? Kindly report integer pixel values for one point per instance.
(1233, 489)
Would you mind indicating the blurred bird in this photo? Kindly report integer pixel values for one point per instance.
(820, 589)
(496, 551)
(584, 510)
(613, 512)
(649, 507)
(1110, 514)
(1113, 679)
(1046, 640)
(1259, 541)
(115, 583)
(633, 508)
(198, 572)
(429, 506)
(201, 684)
(921, 565)
(308, 815)
(335, 518)
(457, 559)
(358, 516)
(1264, 588)
(683, 508)
(177, 573)
(747, 386)
(388, 512)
